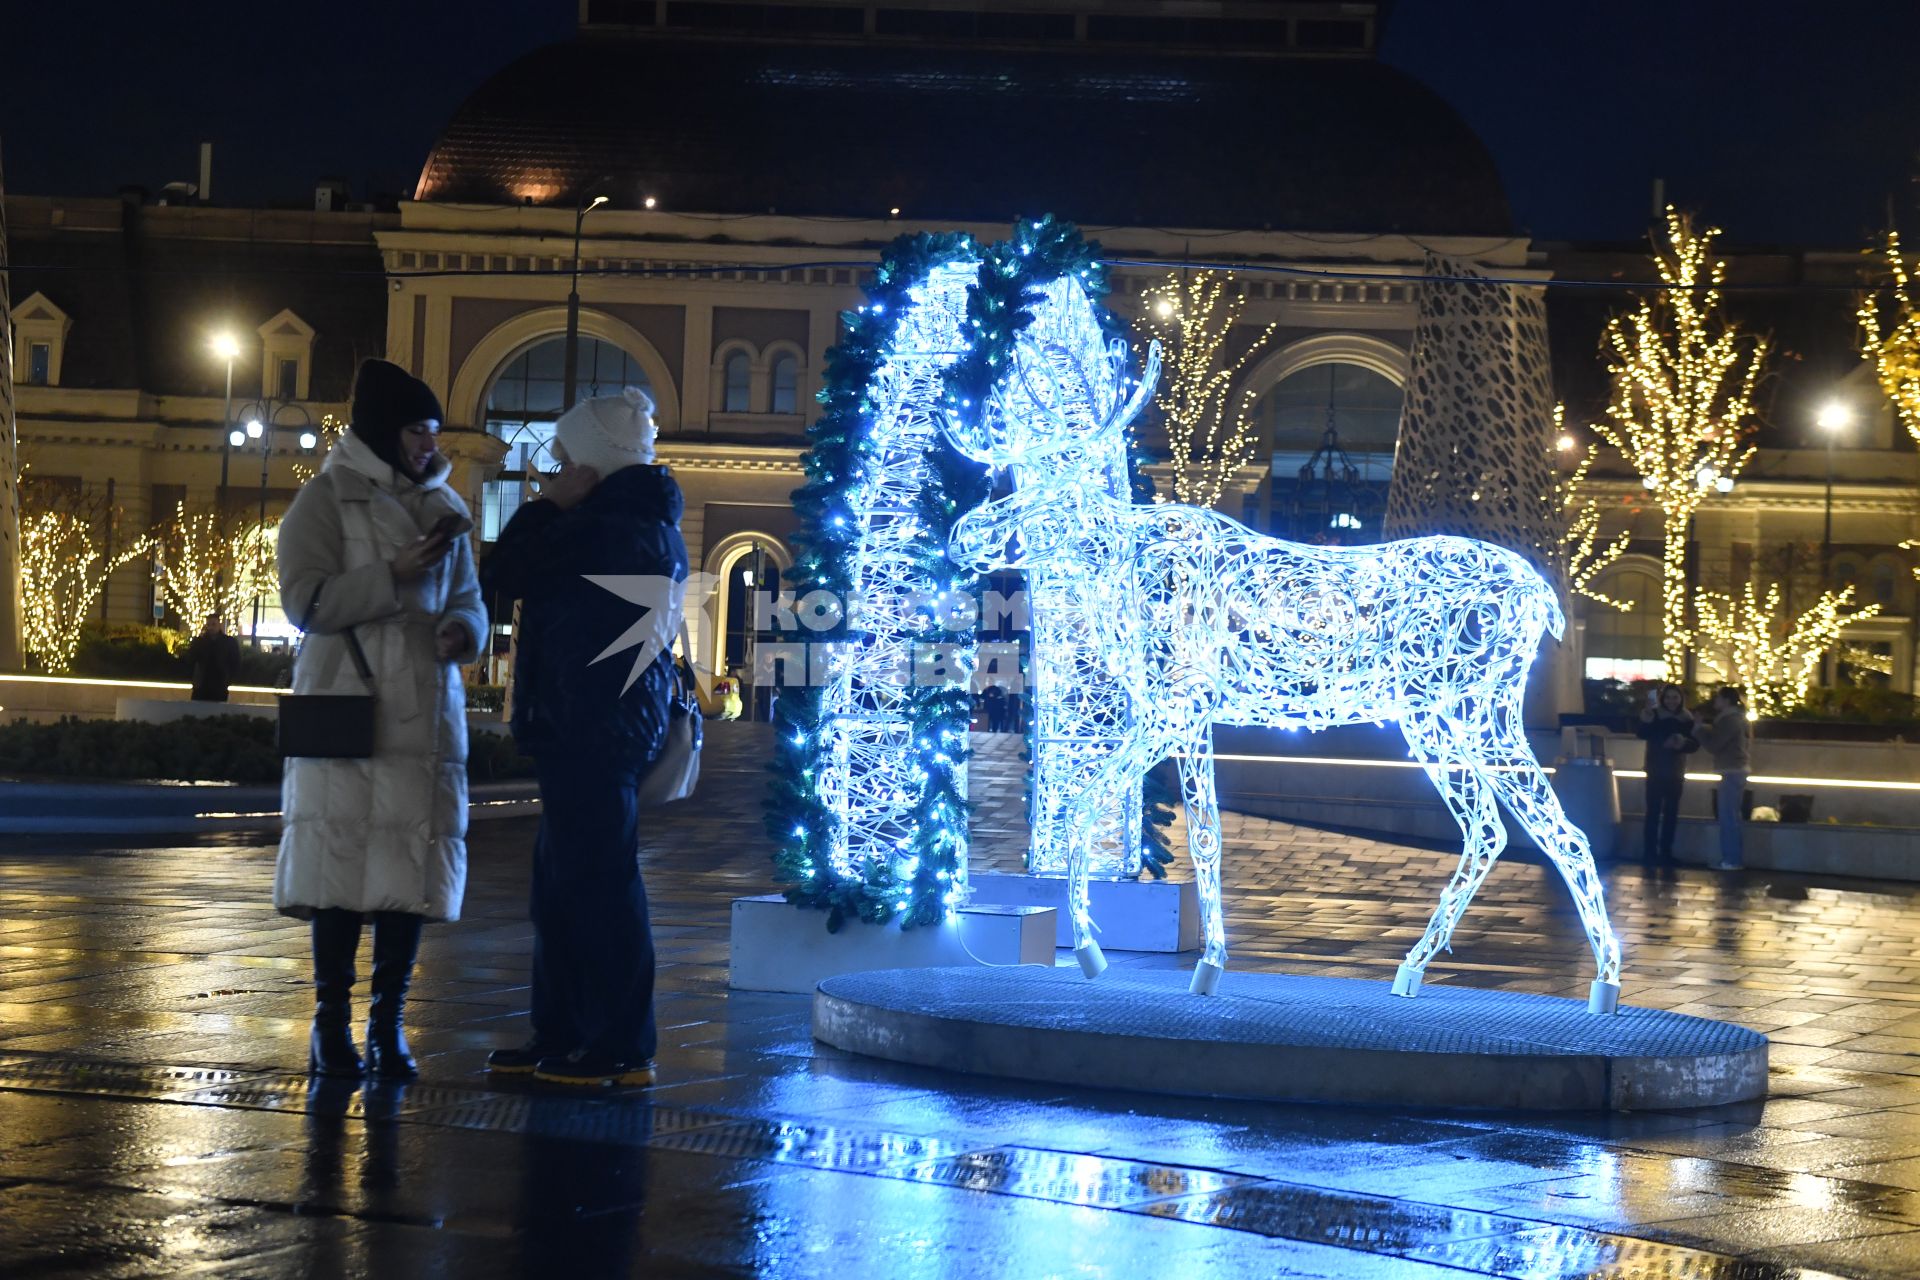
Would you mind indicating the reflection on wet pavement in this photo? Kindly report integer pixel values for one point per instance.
(154, 1120)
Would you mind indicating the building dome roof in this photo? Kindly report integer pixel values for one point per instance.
(968, 134)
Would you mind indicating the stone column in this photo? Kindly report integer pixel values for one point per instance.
(10, 638)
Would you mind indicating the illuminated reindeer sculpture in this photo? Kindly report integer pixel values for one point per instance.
(1207, 622)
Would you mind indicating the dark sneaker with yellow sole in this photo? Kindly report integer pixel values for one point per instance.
(592, 1071)
(521, 1061)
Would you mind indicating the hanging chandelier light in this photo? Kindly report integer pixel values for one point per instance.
(1330, 503)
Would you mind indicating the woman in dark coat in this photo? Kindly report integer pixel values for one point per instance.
(600, 569)
(1670, 734)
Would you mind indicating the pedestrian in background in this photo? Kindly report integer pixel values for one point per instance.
(1668, 730)
(1729, 739)
(374, 552)
(594, 728)
(214, 658)
(994, 698)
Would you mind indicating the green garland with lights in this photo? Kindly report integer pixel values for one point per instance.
(998, 309)
(801, 826)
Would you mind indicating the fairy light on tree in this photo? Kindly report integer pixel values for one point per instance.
(206, 571)
(1682, 398)
(1583, 557)
(1893, 343)
(63, 572)
(330, 430)
(1758, 647)
(1210, 427)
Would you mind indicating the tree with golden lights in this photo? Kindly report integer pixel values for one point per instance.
(1583, 557)
(1758, 647)
(330, 430)
(64, 569)
(1892, 342)
(1681, 403)
(205, 571)
(1210, 429)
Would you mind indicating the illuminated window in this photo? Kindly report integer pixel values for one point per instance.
(1360, 411)
(1625, 646)
(525, 402)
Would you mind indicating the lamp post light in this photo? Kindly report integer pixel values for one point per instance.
(573, 301)
(1833, 418)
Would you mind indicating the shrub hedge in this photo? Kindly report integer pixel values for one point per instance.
(209, 749)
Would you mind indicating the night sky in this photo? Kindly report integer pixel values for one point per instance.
(1784, 122)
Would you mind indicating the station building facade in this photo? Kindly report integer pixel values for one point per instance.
(757, 157)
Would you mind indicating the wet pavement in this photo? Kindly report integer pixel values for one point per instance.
(154, 1120)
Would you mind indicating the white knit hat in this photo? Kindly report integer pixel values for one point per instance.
(609, 433)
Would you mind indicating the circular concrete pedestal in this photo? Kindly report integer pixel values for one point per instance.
(1283, 1038)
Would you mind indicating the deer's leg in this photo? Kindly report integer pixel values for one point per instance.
(1095, 798)
(1203, 845)
(1524, 788)
(1467, 796)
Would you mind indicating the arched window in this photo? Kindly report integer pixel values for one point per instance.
(738, 396)
(1625, 646)
(786, 385)
(523, 404)
(1330, 430)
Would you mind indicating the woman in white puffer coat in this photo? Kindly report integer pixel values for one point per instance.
(368, 546)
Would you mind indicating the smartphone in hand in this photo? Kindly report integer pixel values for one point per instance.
(450, 526)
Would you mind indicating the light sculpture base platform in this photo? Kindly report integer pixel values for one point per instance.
(776, 946)
(1283, 1038)
(1132, 915)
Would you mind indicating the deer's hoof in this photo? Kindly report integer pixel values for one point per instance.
(1406, 981)
(1206, 978)
(1093, 961)
(1603, 997)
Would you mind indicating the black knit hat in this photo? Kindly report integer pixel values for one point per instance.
(385, 399)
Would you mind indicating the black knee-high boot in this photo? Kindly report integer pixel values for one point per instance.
(396, 941)
(336, 937)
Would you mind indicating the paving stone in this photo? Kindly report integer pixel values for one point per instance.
(127, 967)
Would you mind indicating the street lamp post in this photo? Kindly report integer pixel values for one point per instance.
(227, 347)
(1833, 418)
(261, 427)
(573, 301)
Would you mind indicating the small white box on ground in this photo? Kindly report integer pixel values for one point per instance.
(776, 946)
(1131, 915)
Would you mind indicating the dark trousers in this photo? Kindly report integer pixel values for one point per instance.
(1663, 814)
(592, 945)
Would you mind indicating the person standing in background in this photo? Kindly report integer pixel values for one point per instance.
(214, 657)
(1668, 730)
(1729, 737)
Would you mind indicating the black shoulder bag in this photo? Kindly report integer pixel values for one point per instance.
(336, 726)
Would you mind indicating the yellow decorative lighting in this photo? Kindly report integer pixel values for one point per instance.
(1683, 382)
(1776, 662)
(1582, 555)
(1893, 345)
(205, 571)
(1210, 427)
(62, 573)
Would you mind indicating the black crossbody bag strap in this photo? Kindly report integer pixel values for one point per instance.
(360, 662)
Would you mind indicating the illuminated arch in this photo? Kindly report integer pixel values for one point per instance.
(718, 564)
(467, 401)
(1375, 354)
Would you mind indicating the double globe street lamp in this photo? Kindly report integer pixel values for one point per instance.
(262, 421)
